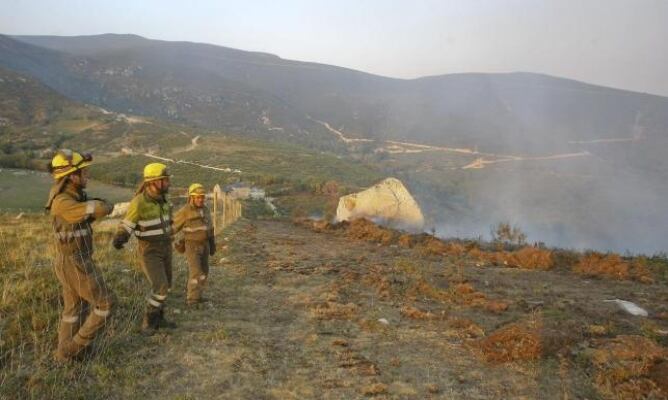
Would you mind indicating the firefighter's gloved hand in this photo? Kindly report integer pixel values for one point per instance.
(118, 243)
(109, 206)
(212, 247)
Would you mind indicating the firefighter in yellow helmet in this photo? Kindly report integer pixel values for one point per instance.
(71, 215)
(149, 219)
(198, 242)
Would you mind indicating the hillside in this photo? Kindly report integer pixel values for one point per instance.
(22, 190)
(574, 165)
(36, 121)
(342, 312)
(262, 94)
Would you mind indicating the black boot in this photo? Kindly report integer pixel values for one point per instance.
(151, 321)
(163, 323)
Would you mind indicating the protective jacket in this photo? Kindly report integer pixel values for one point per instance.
(148, 218)
(195, 222)
(71, 214)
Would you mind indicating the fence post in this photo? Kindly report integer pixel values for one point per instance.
(216, 192)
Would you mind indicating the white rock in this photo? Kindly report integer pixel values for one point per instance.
(387, 202)
(629, 307)
(384, 321)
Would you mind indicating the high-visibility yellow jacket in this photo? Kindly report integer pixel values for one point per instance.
(148, 218)
(195, 222)
(72, 213)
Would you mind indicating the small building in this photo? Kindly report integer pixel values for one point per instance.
(257, 193)
(239, 190)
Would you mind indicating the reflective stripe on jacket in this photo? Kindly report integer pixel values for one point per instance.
(71, 214)
(147, 218)
(194, 222)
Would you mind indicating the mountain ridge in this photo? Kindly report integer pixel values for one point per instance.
(40, 41)
(262, 94)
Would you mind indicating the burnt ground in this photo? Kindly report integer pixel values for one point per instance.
(298, 314)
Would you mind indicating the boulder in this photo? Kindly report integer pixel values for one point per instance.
(387, 202)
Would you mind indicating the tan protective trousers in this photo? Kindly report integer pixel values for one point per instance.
(156, 262)
(197, 254)
(82, 283)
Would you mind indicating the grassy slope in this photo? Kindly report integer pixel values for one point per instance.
(37, 119)
(294, 314)
(27, 190)
(262, 163)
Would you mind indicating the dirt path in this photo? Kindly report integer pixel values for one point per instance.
(397, 147)
(480, 163)
(193, 143)
(299, 315)
(340, 134)
(171, 160)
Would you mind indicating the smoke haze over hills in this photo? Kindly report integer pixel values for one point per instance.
(572, 164)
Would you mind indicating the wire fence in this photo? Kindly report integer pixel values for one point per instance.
(226, 209)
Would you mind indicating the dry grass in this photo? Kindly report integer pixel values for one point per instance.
(30, 306)
(357, 363)
(496, 306)
(334, 310)
(415, 313)
(528, 257)
(626, 368)
(598, 330)
(613, 266)
(466, 328)
(421, 289)
(374, 389)
(513, 342)
(406, 241)
(377, 279)
(316, 225)
(429, 245)
(464, 288)
(334, 345)
(363, 229)
(465, 294)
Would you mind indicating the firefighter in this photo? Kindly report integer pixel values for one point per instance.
(71, 215)
(198, 241)
(149, 218)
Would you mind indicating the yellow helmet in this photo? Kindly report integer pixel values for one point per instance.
(196, 189)
(155, 171)
(67, 161)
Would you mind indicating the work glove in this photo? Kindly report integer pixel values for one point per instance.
(180, 246)
(109, 207)
(212, 246)
(118, 242)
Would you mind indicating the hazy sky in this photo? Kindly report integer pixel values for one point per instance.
(618, 43)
